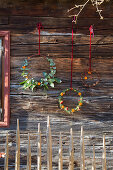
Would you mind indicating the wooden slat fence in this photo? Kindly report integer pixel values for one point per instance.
(49, 166)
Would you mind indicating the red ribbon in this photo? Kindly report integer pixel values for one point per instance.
(91, 32)
(72, 57)
(39, 26)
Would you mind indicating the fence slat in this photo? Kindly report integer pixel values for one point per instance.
(49, 146)
(60, 161)
(17, 156)
(29, 154)
(104, 154)
(93, 161)
(82, 152)
(39, 149)
(6, 154)
(71, 151)
(49, 151)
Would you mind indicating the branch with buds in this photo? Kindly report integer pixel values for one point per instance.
(95, 3)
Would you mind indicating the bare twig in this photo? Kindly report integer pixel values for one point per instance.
(95, 3)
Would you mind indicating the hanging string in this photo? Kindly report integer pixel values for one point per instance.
(39, 26)
(72, 55)
(91, 32)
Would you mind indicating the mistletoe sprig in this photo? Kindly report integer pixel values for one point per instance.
(48, 80)
(95, 3)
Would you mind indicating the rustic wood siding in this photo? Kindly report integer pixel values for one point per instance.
(21, 17)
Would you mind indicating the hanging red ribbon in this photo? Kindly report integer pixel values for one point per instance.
(39, 26)
(91, 32)
(72, 56)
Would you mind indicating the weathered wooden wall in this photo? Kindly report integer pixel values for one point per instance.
(21, 18)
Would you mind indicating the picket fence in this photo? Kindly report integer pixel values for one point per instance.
(49, 151)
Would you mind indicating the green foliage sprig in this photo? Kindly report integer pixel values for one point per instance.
(46, 81)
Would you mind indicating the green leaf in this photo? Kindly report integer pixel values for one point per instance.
(32, 81)
(25, 64)
(52, 64)
(32, 87)
(24, 74)
(52, 85)
(51, 75)
(25, 61)
(58, 80)
(51, 80)
(48, 77)
(53, 72)
(22, 82)
(46, 83)
(49, 59)
(45, 79)
(45, 74)
(41, 85)
(28, 83)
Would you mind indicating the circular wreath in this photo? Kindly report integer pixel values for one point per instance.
(87, 77)
(48, 79)
(66, 108)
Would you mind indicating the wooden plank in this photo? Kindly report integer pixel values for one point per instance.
(3, 20)
(60, 160)
(104, 154)
(49, 146)
(61, 38)
(6, 154)
(35, 104)
(80, 51)
(17, 156)
(1, 78)
(25, 24)
(51, 22)
(29, 154)
(82, 151)
(63, 124)
(71, 151)
(6, 79)
(93, 161)
(51, 8)
(97, 106)
(39, 148)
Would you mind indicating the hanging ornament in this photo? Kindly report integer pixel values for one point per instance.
(66, 108)
(79, 95)
(90, 78)
(48, 79)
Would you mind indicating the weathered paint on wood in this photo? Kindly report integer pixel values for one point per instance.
(96, 115)
(39, 154)
(17, 156)
(104, 154)
(6, 154)
(71, 151)
(93, 160)
(29, 154)
(82, 151)
(49, 146)
(60, 160)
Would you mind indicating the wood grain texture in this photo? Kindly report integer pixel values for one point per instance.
(96, 114)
